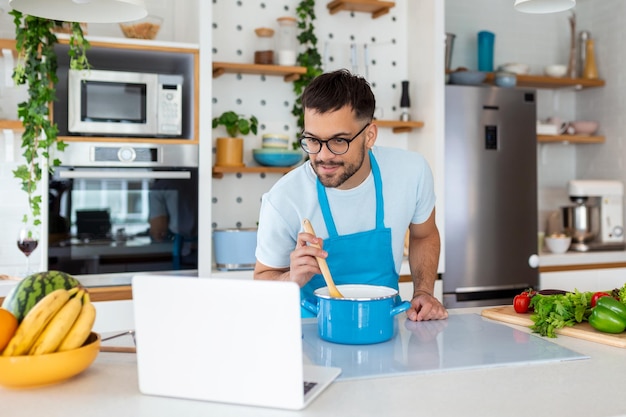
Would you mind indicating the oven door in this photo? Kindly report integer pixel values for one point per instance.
(105, 220)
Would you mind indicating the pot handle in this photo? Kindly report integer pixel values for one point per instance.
(403, 306)
(310, 305)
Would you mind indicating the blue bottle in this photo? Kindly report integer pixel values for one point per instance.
(485, 50)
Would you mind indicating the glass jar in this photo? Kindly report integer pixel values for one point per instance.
(286, 44)
(264, 53)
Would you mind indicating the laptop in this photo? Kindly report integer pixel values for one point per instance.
(223, 340)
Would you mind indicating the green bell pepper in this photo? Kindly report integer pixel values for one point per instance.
(609, 315)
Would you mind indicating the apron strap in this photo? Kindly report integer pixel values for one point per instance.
(380, 204)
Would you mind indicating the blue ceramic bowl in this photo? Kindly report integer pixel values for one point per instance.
(467, 77)
(277, 157)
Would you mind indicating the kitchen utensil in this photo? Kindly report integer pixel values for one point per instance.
(449, 45)
(584, 127)
(467, 77)
(583, 330)
(555, 70)
(146, 28)
(579, 221)
(332, 289)
(515, 68)
(276, 157)
(363, 316)
(275, 141)
(558, 243)
(36, 370)
(505, 79)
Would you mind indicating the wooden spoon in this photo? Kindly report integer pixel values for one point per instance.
(332, 289)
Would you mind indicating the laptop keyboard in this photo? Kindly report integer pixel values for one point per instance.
(308, 386)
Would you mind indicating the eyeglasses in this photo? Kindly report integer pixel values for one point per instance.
(338, 146)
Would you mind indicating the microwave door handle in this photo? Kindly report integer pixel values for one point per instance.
(130, 174)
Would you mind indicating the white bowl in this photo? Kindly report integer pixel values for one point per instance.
(515, 68)
(556, 71)
(558, 244)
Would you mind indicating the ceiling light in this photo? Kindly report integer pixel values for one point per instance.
(87, 11)
(543, 6)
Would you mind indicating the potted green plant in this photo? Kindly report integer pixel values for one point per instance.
(37, 69)
(229, 150)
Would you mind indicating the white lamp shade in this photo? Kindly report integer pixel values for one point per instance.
(543, 6)
(88, 11)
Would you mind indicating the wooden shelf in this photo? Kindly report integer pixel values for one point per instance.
(570, 139)
(399, 126)
(375, 7)
(218, 172)
(540, 81)
(289, 73)
(126, 139)
(11, 125)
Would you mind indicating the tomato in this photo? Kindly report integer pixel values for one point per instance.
(595, 296)
(521, 302)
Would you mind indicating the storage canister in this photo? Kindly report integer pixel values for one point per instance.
(286, 44)
(264, 53)
(234, 249)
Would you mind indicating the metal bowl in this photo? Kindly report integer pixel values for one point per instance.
(579, 222)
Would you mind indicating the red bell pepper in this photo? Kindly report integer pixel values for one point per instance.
(596, 296)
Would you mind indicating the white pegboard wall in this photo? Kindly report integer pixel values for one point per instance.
(236, 198)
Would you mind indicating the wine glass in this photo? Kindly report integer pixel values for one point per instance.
(27, 241)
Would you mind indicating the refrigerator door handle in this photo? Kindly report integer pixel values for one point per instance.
(533, 261)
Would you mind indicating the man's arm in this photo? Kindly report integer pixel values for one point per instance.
(302, 262)
(424, 248)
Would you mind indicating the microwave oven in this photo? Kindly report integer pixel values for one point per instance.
(118, 103)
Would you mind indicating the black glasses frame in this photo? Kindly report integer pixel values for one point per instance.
(325, 142)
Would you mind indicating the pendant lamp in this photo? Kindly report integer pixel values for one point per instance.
(87, 11)
(543, 6)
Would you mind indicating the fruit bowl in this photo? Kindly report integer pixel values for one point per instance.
(146, 28)
(33, 371)
(277, 157)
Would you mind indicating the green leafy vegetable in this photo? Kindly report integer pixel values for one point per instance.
(553, 312)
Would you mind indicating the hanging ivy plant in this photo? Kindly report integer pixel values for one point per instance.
(37, 69)
(309, 57)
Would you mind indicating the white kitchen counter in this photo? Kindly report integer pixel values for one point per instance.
(591, 387)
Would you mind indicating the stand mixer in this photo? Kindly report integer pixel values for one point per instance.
(595, 221)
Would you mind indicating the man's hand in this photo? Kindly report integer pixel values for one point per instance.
(426, 307)
(302, 263)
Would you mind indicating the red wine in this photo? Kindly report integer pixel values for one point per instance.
(27, 246)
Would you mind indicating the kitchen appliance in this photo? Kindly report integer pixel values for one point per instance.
(596, 220)
(490, 195)
(118, 207)
(120, 103)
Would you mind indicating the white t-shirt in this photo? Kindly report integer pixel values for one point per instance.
(408, 192)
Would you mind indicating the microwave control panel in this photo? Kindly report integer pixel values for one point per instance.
(170, 105)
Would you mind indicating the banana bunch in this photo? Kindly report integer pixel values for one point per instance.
(60, 321)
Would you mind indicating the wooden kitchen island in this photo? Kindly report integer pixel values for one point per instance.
(589, 387)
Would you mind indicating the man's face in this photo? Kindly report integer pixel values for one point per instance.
(351, 168)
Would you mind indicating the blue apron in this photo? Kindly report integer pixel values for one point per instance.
(358, 258)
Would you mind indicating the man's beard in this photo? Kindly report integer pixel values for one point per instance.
(349, 171)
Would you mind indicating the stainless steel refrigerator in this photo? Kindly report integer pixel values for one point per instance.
(490, 195)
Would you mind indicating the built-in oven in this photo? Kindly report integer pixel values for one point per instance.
(124, 208)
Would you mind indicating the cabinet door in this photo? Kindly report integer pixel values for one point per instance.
(585, 280)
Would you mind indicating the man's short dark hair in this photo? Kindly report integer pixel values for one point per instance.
(334, 90)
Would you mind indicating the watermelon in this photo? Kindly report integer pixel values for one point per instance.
(35, 287)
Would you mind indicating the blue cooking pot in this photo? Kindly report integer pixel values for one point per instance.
(364, 316)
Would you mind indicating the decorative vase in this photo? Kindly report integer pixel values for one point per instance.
(229, 152)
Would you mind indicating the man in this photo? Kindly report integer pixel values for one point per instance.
(360, 198)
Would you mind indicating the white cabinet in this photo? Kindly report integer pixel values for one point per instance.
(583, 280)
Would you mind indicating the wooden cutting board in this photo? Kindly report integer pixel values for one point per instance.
(581, 331)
